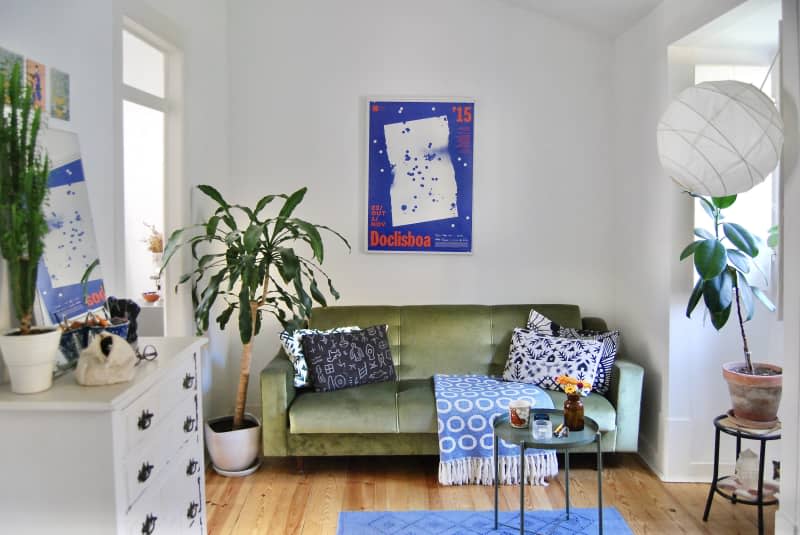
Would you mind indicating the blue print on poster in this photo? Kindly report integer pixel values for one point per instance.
(420, 176)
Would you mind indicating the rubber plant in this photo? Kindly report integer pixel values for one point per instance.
(255, 269)
(724, 259)
(23, 189)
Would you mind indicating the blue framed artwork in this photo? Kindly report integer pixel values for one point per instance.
(419, 175)
(70, 245)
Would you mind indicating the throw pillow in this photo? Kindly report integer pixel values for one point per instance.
(538, 359)
(342, 360)
(293, 346)
(610, 339)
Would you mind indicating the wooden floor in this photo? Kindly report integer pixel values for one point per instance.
(279, 500)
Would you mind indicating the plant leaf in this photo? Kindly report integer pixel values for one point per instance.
(739, 260)
(710, 259)
(703, 233)
(718, 292)
(766, 301)
(723, 202)
(290, 265)
(316, 294)
(292, 202)
(697, 293)
(313, 238)
(719, 319)
(741, 238)
(251, 237)
(706, 204)
(225, 315)
(689, 250)
(263, 202)
(245, 316)
(210, 191)
(746, 298)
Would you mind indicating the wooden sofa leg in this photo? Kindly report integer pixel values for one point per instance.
(299, 463)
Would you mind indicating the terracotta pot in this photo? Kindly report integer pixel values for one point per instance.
(754, 397)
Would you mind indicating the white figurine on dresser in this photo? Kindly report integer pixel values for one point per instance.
(119, 459)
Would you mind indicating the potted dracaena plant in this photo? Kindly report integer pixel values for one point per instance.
(29, 352)
(725, 263)
(255, 269)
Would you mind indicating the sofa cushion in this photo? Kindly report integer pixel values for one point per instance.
(363, 409)
(595, 407)
(293, 347)
(416, 406)
(346, 359)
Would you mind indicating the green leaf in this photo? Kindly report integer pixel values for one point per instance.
(706, 204)
(719, 319)
(314, 238)
(718, 292)
(746, 299)
(333, 290)
(723, 202)
(245, 316)
(710, 259)
(263, 202)
(697, 293)
(739, 260)
(316, 294)
(689, 250)
(766, 301)
(252, 236)
(292, 202)
(741, 238)
(225, 316)
(215, 195)
(172, 246)
(703, 233)
(290, 265)
(211, 226)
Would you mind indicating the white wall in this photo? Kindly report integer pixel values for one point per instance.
(684, 389)
(542, 153)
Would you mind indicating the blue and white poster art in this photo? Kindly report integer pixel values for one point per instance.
(419, 186)
(70, 245)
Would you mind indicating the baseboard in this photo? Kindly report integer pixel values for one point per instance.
(784, 525)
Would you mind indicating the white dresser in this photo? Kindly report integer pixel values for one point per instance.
(121, 459)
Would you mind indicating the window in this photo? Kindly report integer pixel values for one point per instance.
(755, 209)
(144, 110)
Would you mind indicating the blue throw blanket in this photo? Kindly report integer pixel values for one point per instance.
(466, 406)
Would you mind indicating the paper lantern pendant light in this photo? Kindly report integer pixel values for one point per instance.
(720, 138)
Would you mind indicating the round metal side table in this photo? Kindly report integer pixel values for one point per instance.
(524, 439)
(761, 499)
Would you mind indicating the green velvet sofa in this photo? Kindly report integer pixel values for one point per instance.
(399, 417)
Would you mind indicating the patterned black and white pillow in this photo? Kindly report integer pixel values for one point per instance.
(342, 360)
(610, 339)
(538, 359)
(293, 346)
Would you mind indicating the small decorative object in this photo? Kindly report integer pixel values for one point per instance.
(542, 429)
(155, 244)
(747, 469)
(724, 260)
(151, 297)
(561, 431)
(573, 406)
(127, 310)
(59, 94)
(258, 261)
(29, 352)
(720, 138)
(519, 413)
(108, 359)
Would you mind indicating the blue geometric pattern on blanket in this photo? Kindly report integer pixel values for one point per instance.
(581, 521)
(466, 407)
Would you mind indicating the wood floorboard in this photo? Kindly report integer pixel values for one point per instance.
(278, 500)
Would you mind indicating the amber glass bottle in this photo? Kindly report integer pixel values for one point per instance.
(573, 412)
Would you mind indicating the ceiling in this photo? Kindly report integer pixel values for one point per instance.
(608, 17)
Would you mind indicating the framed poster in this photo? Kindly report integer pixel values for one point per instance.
(419, 175)
(70, 245)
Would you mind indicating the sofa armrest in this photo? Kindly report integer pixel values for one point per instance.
(626, 396)
(277, 393)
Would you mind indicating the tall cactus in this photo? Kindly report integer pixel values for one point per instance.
(23, 189)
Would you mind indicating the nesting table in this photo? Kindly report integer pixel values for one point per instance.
(525, 440)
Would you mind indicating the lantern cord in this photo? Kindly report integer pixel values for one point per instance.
(772, 65)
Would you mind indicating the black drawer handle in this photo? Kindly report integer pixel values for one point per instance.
(145, 419)
(188, 382)
(188, 424)
(192, 467)
(149, 525)
(194, 508)
(144, 472)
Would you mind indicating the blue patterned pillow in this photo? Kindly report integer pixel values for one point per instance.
(538, 359)
(610, 339)
(293, 346)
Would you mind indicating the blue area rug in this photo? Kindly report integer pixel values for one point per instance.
(581, 521)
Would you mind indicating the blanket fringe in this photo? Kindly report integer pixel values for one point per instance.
(480, 470)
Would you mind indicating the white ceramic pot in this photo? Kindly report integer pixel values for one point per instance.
(30, 359)
(233, 453)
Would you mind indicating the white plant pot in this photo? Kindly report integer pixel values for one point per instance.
(234, 453)
(30, 359)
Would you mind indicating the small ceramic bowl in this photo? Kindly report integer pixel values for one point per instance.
(151, 297)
